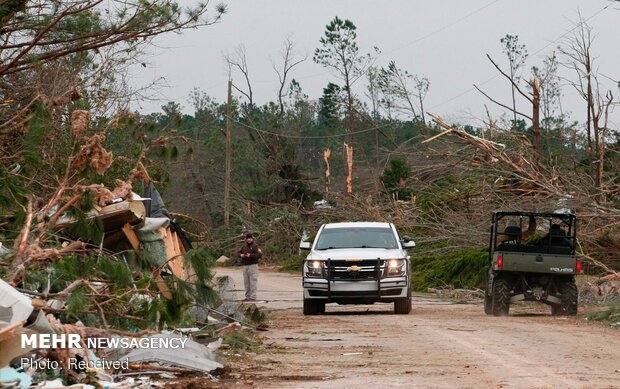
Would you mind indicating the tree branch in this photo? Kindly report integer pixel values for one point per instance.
(502, 105)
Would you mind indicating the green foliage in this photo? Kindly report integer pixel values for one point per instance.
(255, 315)
(340, 52)
(331, 106)
(394, 178)
(611, 315)
(292, 263)
(516, 53)
(78, 302)
(461, 269)
(237, 341)
(86, 229)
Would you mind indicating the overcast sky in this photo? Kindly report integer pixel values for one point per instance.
(446, 41)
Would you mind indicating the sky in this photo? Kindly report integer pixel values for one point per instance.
(445, 41)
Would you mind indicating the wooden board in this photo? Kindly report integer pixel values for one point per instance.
(131, 237)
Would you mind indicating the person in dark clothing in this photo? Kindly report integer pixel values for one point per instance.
(249, 254)
(556, 237)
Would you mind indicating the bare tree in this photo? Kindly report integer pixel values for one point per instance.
(372, 90)
(289, 61)
(576, 48)
(394, 84)
(421, 85)
(35, 33)
(517, 54)
(534, 97)
(238, 60)
(550, 92)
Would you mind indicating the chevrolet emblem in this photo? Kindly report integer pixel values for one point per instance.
(354, 268)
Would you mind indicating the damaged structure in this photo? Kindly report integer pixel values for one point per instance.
(132, 226)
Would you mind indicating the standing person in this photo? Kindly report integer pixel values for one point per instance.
(250, 253)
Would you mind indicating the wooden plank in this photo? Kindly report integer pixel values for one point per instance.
(173, 255)
(178, 261)
(12, 327)
(131, 237)
(165, 234)
(163, 287)
(175, 242)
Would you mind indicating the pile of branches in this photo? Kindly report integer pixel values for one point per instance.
(506, 173)
(64, 265)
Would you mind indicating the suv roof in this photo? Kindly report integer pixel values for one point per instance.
(357, 224)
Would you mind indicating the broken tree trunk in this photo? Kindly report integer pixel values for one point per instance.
(536, 116)
(326, 154)
(348, 154)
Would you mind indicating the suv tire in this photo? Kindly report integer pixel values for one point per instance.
(313, 307)
(501, 297)
(402, 306)
(569, 297)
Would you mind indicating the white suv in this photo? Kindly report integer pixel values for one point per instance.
(357, 263)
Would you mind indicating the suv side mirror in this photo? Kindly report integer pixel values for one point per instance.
(305, 245)
(407, 242)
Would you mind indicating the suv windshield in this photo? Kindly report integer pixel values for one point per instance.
(356, 237)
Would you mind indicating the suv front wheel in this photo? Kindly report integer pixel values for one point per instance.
(402, 306)
(313, 307)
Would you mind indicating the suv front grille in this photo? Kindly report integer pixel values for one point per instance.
(367, 269)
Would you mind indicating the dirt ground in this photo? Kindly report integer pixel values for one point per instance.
(441, 344)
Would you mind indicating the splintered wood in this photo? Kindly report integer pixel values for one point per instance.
(326, 154)
(348, 157)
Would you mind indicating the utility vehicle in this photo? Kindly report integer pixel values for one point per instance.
(537, 263)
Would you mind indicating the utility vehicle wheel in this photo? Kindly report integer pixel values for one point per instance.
(402, 306)
(569, 297)
(312, 307)
(501, 297)
(488, 304)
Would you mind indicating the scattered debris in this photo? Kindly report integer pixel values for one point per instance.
(457, 294)
(11, 378)
(194, 356)
(322, 204)
(229, 328)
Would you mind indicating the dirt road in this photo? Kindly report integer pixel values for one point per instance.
(441, 344)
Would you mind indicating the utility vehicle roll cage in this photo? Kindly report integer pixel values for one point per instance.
(568, 221)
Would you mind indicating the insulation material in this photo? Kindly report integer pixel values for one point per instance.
(79, 121)
(94, 155)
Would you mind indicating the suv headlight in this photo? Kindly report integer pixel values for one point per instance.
(396, 267)
(314, 268)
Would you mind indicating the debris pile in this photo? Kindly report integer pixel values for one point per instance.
(97, 283)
